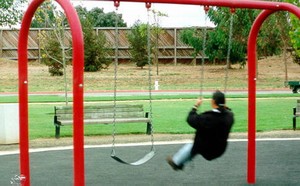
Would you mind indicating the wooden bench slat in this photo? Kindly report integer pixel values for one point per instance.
(108, 121)
(103, 115)
(87, 107)
(100, 110)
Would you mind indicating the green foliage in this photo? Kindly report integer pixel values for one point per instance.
(94, 48)
(51, 53)
(269, 40)
(44, 16)
(217, 42)
(295, 33)
(94, 44)
(98, 18)
(95, 52)
(138, 44)
(11, 12)
(193, 37)
(52, 42)
(101, 19)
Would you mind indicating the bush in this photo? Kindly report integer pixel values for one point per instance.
(52, 54)
(138, 44)
(94, 48)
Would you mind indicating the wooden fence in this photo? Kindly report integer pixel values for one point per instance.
(170, 48)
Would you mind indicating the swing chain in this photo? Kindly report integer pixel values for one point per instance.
(206, 8)
(115, 77)
(149, 72)
(232, 11)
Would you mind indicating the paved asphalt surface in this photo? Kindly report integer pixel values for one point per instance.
(278, 163)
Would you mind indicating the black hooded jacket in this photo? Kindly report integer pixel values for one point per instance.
(212, 131)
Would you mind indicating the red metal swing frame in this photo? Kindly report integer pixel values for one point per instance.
(267, 8)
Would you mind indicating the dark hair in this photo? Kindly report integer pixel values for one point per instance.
(219, 98)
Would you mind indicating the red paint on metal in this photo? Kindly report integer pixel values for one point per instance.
(23, 92)
(252, 4)
(232, 10)
(78, 60)
(117, 4)
(206, 8)
(252, 95)
(148, 5)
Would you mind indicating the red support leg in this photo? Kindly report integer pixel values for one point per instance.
(251, 173)
(78, 61)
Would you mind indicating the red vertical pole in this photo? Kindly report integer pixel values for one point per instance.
(251, 173)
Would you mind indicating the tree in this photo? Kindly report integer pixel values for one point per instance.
(193, 37)
(98, 18)
(284, 28)
(101, 19)
(273, 35)
(44, 16)
(53, 45)
(295, 33)
(94, 48)
(11, 12)
(217, 40)
(138, 39)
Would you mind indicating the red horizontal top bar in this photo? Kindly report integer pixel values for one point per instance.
(252, 4)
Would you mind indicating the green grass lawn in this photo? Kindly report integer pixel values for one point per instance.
(169, 116)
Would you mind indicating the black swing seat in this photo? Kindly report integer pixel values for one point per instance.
(141, 161)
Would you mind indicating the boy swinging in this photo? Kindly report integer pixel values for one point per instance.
(212, 131)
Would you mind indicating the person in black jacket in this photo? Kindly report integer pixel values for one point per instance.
(212, 131)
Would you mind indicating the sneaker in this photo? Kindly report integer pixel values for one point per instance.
(173, 165)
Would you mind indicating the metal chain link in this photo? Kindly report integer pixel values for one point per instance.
(149, 75)
(115, 80)
(228, 52)
(203, 57)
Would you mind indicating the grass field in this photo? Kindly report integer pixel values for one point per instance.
(169, 117)
(274, 112)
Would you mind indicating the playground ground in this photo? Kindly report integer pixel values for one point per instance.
(278, 163)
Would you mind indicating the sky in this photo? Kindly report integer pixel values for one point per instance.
(178, 15)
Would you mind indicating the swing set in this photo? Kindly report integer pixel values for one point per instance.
(267, 8)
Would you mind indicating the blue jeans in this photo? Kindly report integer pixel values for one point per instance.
(183, 155)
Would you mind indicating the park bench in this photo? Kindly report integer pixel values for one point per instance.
(296, 113)
(102, 114)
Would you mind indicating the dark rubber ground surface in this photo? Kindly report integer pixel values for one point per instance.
(278, 163)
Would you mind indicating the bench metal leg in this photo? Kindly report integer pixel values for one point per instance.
(149, 125)
(294, 122)
(57, 131)
(149, 128)
(294, 118)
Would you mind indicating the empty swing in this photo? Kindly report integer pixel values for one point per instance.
(150, 154)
